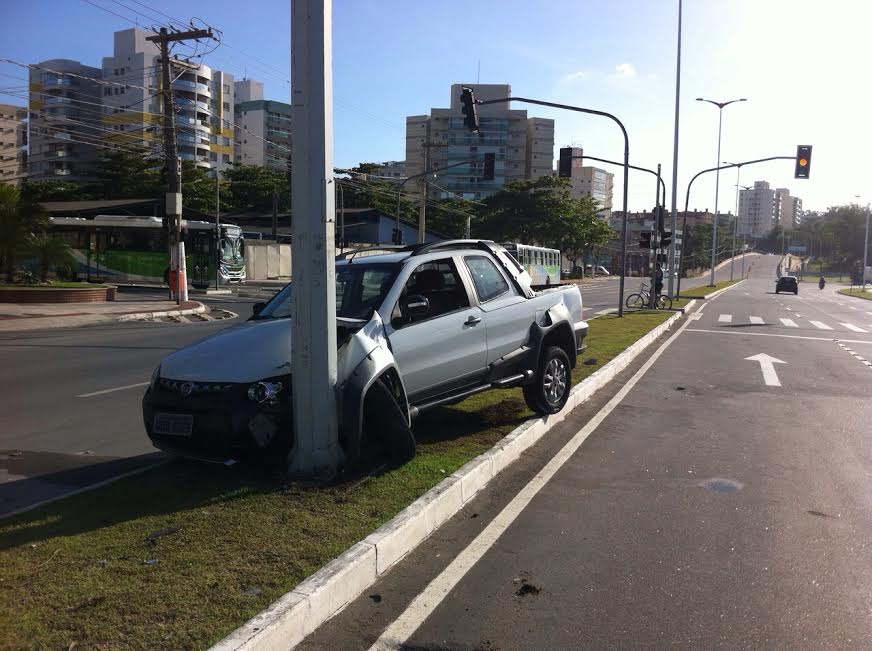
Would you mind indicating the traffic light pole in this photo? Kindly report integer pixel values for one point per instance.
(687, 203)
(655, 238)
(626, 165)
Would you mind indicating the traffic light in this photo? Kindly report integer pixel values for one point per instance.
(803, 162)
(645, 240)
(660, 216)
(564, 169)
(467, 99)
(490, 161)
(665, 239)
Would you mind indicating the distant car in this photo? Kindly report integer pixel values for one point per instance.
(787, 284)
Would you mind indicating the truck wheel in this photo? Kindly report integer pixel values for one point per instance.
(385, 426)
(549, 390)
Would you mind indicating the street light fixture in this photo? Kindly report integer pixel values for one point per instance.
(720, 106)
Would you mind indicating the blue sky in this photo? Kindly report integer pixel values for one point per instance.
(397, 58)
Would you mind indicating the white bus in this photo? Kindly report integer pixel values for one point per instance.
(121, 248)
(541, 263)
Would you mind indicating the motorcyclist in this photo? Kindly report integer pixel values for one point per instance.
(822, 282)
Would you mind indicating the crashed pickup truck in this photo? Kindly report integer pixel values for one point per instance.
(418, 327)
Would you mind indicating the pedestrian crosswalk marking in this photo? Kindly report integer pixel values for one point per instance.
(851, 326)
(725, 318)
(820, 326)
(789, 323)
(757, 320)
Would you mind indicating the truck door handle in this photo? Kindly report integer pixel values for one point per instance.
(472, 320)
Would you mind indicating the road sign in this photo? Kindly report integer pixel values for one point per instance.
(767, 366)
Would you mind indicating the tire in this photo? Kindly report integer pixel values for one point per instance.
(549, 390)
(796, 292)
(635, 300)
(385, 425)
(664, 303)
(777, 290)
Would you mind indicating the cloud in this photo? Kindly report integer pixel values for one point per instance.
(625, 70)
(572, 76)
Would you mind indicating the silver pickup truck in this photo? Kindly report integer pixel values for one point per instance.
(423, 326)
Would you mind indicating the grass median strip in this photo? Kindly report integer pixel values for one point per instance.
(704, 290)
(857, 292)
(180, 556)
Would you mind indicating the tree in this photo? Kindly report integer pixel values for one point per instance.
(367, 168)
(50, 251)
(251, 188)
(39, 191)
(582, 230)
(20, 217)
(126, 175)
(198, 188)
(449, 216)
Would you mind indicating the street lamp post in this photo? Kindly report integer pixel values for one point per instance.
(735, 223)
(720, 106)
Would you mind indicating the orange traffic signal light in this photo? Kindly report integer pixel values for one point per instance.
(803, 162)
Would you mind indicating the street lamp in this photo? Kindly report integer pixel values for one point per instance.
(720, 106)
(735, 222)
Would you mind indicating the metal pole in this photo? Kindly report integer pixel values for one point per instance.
(316, 451)
(217, 227)
(717, 187)
(866, 247)
(672, 248)
(655, 238)
(736, 232)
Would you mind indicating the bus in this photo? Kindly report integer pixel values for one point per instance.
(128, 249)
(541, 263)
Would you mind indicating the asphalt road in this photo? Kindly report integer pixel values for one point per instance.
(603, 296)
(71, 400)
(707, 509)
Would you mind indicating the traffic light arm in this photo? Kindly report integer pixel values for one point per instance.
(632, 167)
(578, 109)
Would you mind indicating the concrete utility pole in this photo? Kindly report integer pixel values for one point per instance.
(217, 227)
(655, 239)
(672, 248)
(316, 452)
(171, 153)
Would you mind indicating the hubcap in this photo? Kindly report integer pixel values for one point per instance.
(554, 381)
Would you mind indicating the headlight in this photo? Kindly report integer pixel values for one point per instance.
(263, 391)
(155, 376)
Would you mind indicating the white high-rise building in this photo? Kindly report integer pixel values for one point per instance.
(591, 181)
(263, 128)
(524, 147)
(788, 209)
(756, 210)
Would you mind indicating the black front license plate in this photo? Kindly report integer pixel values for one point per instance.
(173, 424)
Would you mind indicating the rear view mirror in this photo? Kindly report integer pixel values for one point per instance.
(415, 306)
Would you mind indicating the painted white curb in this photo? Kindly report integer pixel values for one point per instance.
(296, 614)
(151, 315)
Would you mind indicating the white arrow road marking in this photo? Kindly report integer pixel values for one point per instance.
(850, 326)
(757, 320)
(725, 318)
(767, 365)
(789, 323)
(820, 326)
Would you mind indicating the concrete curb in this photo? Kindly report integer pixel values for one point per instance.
(299, 612)
(136, 316)
(717, 293)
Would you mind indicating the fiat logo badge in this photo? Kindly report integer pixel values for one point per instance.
(186, 389)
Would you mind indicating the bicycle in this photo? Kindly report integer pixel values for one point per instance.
(642, 299)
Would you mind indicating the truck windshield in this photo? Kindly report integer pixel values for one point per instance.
(360, 290)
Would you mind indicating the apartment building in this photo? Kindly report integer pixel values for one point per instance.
(13, 139)
(756, 210)
(392, 170)
(79, 111)
(262, 131)
(524, 147)
(586, 180)
(787, 209)
(65, 106)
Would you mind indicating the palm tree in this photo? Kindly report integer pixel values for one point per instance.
(50, 251)
(20, 218)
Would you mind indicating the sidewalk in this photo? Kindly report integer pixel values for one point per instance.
(15, 317)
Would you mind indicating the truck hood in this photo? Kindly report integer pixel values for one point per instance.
(246, 352)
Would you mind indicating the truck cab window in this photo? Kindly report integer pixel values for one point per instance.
(440, 284)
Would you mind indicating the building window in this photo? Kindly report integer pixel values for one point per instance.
(226, 106)
(107, 91)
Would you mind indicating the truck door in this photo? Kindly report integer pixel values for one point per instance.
(445, 348)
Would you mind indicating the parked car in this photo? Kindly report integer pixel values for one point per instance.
(787, 284)
(429, 325)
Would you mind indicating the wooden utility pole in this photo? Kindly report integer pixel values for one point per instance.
(171, 153)
(425, 187)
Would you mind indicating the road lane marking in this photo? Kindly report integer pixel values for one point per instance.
(767, 366)
(820, 326)
(790, 323)
(789, 310)
(725, 318)
(104, 391)
(757, 320)
(851, 326)
(426, 602)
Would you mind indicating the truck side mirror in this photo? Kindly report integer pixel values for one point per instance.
(415, 306)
